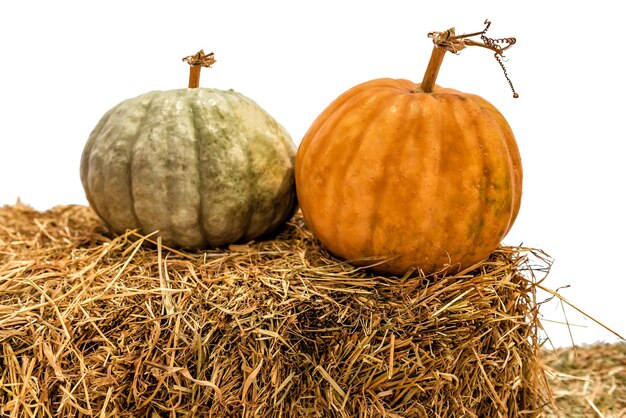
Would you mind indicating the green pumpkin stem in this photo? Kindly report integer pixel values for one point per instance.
(448, 41)
(196, 62)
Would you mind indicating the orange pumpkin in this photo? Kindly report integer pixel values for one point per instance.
(400, 176)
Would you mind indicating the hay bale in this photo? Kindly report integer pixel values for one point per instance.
(588, 381)
(97, 325)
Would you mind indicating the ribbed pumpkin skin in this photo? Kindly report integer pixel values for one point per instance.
(422, 180)
(205, 167)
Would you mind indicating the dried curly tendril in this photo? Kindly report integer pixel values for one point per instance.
(450, 41)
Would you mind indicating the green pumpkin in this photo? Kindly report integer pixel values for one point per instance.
(204, 167)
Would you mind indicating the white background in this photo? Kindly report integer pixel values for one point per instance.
(64, 63)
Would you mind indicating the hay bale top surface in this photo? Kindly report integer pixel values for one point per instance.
(93, 324)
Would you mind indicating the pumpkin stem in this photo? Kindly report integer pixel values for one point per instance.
(436, 58)
(448, 41)
(196, 62)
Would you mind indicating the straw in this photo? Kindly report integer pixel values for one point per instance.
(588, 381)
(98, 325)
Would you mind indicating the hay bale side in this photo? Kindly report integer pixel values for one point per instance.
(97, 325)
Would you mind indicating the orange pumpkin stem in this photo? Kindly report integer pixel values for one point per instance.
(436, 58)
(196, 62)
(448, 41)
